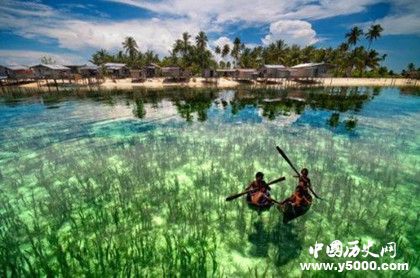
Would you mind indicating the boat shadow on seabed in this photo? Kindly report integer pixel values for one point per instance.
(282, 237)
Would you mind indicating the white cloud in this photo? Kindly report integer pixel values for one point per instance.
(259, 11)
(404, 20)
(77, 34)
(401, 24)
(149, 34)
(221, 42)
(27, 57)
(288, 20)
(292, 32)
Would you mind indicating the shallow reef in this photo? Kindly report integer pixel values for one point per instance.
(103, 184)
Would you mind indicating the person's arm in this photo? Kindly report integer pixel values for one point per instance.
(251, 184)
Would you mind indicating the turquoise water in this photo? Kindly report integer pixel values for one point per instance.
(134, 183)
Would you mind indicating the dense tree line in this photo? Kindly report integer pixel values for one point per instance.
(350, 58)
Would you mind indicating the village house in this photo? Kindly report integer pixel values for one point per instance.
(225, 73)
(75, 69)
(117, 70)
(309, 70)
(151, 70)
(274, 71)
(246, 74)
(175, 73)
(137, 75)
(51, 71)
(89, 71)
(16, 72)
(210, 73)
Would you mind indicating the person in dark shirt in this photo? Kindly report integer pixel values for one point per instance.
(260, 194)
(302, 196)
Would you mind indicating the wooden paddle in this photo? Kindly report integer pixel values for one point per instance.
(293, 167)
(287, 160)
(233, 197)
(272, 200)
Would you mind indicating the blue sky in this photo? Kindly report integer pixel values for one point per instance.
(70, 31)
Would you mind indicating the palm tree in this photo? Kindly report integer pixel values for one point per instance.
(184, 47)
(130, 46)
(294, 55)
(217, 50)
(354, 35)
(201, 40)
(120, 57)
(225, 50)
(411, 67)
(373, 33)
(246, 58)
(358, 59)
(344, 47)
(186, 42)
(308, 54)
(150, 57)
(100, 57)
(203, 56)
(236, 50)
(281, 48)
(373, 59)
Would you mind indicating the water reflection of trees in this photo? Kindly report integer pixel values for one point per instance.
(275, 103)
(189, 102)
(412, 91)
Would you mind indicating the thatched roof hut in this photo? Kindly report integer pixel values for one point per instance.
(51, 71)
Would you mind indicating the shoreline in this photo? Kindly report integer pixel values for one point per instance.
(199, 82)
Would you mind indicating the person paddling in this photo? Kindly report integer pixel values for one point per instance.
(301, 196)
(259, 194)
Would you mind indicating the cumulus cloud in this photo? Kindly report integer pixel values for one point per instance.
(220, 42)
(149, 34)
(292, 31)
(27, 57)
(288, 20)
(218, 13)
(77, 34)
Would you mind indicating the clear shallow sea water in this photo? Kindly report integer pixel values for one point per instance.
(134, 183)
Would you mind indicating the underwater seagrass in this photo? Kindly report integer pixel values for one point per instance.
(115, 183)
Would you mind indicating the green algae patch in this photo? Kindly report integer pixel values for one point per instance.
(94, 192)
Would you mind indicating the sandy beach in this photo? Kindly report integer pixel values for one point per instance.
(199, 82)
